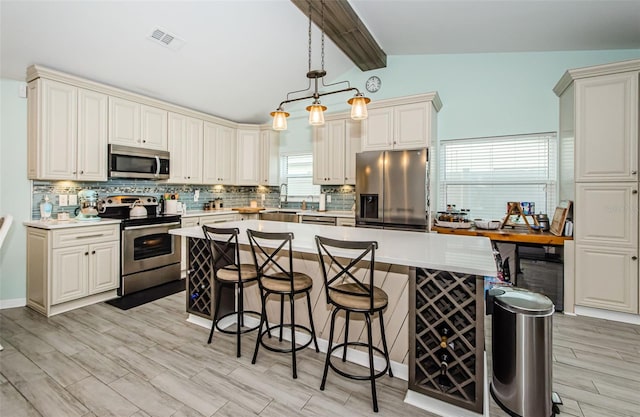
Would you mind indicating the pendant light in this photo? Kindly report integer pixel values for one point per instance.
(316, 109)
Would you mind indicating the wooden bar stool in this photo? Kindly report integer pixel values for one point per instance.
(276, 276)
(224, 252)
(346, 292)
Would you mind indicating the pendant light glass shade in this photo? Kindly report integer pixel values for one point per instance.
(316, 113)
(359, 107)
(279, 119)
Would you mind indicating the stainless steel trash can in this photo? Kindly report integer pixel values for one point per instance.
(521, 352)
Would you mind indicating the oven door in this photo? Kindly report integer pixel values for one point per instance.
(149, 247)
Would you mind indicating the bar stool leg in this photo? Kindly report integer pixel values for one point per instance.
(346, 336)
(326, 361)
(281, 316)
(240, 319)
(313, 329)
(384, 344)
(293, 336)
(263, 316)
(218, 289)
(371, 369)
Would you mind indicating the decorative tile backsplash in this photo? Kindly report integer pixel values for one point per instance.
(342, 197)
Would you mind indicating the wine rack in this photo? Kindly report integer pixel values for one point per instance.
(446, 359)
(199, 279)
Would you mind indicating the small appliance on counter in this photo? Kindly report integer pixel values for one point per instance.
(90, 206)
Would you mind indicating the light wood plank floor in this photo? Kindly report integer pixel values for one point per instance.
(148, 361)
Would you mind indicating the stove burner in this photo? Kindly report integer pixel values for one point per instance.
(119, 206)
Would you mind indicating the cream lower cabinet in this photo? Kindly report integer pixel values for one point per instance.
(346, 221)
(71, 268)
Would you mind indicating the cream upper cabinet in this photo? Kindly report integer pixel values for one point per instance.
(249, 159)
(405, 123)
(135, 124)
(67, 132)
(328, 153)
(335, 145)
(219, 165)
(269, 157)
(606, 121)
(598, 170)
(186, 149)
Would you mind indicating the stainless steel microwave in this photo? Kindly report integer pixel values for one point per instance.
(130, 162)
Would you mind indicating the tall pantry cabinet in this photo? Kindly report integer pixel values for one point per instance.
(599, 172)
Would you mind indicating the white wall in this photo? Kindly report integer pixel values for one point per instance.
(15, 192)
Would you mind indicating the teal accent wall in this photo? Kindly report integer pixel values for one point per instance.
(15, 192)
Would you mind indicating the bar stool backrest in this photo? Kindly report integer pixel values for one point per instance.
(267, 260)
(222, 244)
(335, 273)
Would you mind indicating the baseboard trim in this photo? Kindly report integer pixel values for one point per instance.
(13, 303)
(358, 357)
(607, 315)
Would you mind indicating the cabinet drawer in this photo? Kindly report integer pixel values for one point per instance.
(85, 235)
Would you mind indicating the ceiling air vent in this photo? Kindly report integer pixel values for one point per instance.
(164, 38)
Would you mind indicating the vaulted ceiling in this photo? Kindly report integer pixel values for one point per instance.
(237, 59)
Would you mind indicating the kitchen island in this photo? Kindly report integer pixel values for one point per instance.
(434, 282)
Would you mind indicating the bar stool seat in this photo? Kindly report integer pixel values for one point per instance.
(343, 296)
(230, 273)
(301, 282)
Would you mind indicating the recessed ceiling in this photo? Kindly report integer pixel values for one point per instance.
(240, 58)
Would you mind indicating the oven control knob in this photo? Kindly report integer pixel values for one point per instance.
(153, 199)
(148, 200)
(109, 201)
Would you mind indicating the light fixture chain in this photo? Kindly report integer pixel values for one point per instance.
(309, 36)
(322, 19)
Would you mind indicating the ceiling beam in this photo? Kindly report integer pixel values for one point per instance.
(343, 26)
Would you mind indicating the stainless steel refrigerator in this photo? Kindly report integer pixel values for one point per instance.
(392, 189)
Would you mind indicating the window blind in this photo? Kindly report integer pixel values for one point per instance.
(483, 174)
(297, 173)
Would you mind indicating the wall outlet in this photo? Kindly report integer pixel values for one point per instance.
(263, 197)
(63, 200)
(196, 195)
(73, 199)
(328, 198)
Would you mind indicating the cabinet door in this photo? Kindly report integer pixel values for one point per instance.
(352, 147)
(193, 150)
(124, 122)
(411, 126)
(58, 127)
(270, 157)
(607, 278)
(249, 159)
(104, 270)
(328, 156)
(177, 148)
(219, 146)
(92, 135)
(69, 274)
(607, 128)
(153, 133)
(607, 214)
(378, 130)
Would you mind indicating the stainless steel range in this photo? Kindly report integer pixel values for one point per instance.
(150, 256)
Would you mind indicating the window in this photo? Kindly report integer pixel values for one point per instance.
(483, 174)
(297, 173)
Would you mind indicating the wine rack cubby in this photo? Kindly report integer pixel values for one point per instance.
(447, 308)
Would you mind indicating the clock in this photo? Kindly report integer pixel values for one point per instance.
(373, 84)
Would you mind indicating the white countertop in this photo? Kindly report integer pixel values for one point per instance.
(63, 224)
(463, 254)
(199, 213)
(330, 213)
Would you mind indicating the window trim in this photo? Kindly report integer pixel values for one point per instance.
(285, 177)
